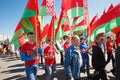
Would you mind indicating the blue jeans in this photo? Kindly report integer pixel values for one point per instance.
(31, 72)
(50, 70)
(86, 64)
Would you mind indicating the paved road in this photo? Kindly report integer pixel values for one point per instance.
(13, 69)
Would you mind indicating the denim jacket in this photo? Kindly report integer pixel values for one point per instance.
(73, 62)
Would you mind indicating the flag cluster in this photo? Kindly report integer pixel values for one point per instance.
(73, 17)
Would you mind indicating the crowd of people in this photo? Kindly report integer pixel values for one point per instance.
(6, 49)
(74, 52)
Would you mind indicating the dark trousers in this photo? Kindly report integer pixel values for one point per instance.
(86, 64)
(101, 76)
(41, 59)
(61, 60)
(117, 58)
(110, 56)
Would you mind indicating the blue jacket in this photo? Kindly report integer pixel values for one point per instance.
(73, 62)
(84, 46)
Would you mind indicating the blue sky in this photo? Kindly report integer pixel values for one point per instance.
(12, 10)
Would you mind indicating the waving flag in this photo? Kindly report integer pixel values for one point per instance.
(45, 32)
(79, 26)
(47, 8)
(110, 8)
(73, 8)
(18, 37)
(42, 10)
(29, 21)
(106, 23)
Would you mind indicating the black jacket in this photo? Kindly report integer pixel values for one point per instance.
(117, 56)
(98, 58)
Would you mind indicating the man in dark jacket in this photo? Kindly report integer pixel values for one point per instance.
(117, 56)
(98, 60)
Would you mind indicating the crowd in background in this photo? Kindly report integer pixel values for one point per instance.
(74, 52)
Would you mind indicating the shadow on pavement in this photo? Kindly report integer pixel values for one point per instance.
(17, 77)
(14, 71)
(17, 65)
(7, 58)
(59, 75)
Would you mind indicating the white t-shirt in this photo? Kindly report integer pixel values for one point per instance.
(44, 46)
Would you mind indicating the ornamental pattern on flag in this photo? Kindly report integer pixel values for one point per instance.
(50, 7)
(85, 11)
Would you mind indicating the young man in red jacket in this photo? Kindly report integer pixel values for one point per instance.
(50, 61)
(29, 56)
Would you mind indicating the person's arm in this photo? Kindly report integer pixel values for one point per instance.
(85, 50)
(23, 57)
(67, 64)
(40, 51)
(56, 50)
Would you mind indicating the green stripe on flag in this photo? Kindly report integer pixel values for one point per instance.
(78, 20)
(42, 11)
(28, 13)
(62, 21)
(80, 28)
(16, 44)
(65, 33)
(73, 12)
(59, 34)
(17, 34)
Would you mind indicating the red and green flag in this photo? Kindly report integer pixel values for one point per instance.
(73, 8)
(45, 32)
(47, 8)
(77, 20)
(92, 22)
(106, 23)
(18, 37)
(29, 21)
(79, 26)
(66, 29)
(42, 10)
(58, 30)
(53, 23)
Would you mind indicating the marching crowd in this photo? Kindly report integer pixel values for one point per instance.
(74, 52)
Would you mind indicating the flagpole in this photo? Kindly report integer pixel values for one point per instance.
(53, 32)
(36, 35)
(36, 25)
(50, 9)
(86, 17)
